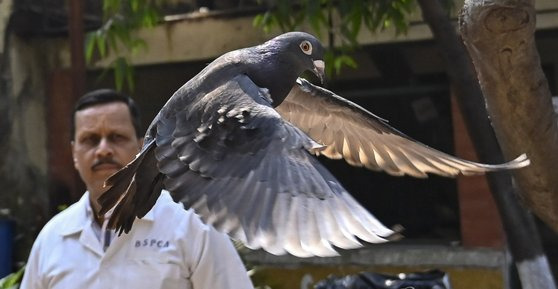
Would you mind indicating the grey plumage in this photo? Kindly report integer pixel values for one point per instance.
(235, 143)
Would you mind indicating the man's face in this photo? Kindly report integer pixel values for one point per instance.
(105, 140)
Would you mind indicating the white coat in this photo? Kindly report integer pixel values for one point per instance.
(168, 248)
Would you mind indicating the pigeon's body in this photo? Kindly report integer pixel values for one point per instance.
(219, 146)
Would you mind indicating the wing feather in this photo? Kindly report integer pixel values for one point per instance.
(349, 131)
(248, 172)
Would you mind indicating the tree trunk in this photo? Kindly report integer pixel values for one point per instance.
(500, 38)
(524, 242)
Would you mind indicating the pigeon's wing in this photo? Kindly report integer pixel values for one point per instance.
(237, 163)
(350, 132)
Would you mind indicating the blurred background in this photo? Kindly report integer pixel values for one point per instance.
(52, 51)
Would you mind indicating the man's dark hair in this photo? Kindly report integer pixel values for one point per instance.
(102, 96)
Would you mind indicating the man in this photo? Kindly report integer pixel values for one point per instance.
(168, 248)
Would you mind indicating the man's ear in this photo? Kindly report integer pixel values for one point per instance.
(72, 144)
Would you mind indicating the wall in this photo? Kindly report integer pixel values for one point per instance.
(5, 9)
(22, 138)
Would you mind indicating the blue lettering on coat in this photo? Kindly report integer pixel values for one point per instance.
(151, 243)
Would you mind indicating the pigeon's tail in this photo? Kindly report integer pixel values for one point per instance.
(133, 190)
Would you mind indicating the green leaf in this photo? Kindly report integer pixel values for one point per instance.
(90, 46)
(347, 60)
(110, 6)
(150, 18)
(119, 72)
(329, 59)
(265, 21)
(122, 33)
(111, 37)
(137, 45)
(123, 74)
(316, 17)
(356, 19)
(101, 44)
(103, 74)
(258, 20)
(13, 280)
(62, 207)
(134, 5)
(106, 5)
(130, 77)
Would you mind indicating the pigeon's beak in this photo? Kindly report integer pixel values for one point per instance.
(319, 69)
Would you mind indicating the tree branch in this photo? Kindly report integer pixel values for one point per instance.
(500, 39)
(523, 239)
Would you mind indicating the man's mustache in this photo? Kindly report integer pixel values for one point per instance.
(103, 161)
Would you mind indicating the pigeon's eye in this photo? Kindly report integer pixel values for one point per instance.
(306, 47)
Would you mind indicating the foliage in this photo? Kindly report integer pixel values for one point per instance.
(120, 20)
(340, 19)
(374, 14)
(13, 280)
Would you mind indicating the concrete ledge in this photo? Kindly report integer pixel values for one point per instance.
(478, 268)
(394, 255)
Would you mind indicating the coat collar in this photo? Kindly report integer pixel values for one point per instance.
(80, 214)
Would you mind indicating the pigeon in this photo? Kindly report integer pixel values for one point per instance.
(238, 142)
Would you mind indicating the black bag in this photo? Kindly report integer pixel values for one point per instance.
(433, 279)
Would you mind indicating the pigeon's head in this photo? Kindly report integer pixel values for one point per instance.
(303, 51)
(277, 63)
